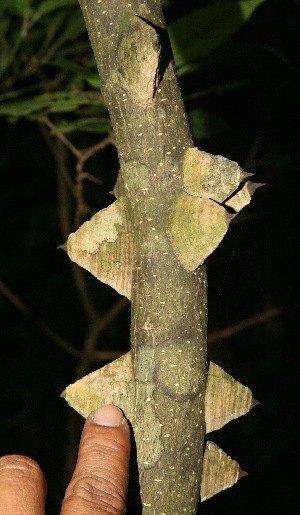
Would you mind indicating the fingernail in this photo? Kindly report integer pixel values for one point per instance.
(108, 416)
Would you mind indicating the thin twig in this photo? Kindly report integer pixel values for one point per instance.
(82, 209)
(96, 328)
(82, 156)
(45, 328)
(92, 178)
(93, 149)
(77, 153)
(66, 228)
(80, 280)
(20, 416)
(108, 356)
(233, 329)
(50, 333)
(52, 146)
(64, 208)
(58, 151)
(103, 322)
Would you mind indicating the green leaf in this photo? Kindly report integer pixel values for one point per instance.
(65, 64)
(230, 50)
(60, 101)
(18, 109)
(204, 124)
(20, 7)
(74, 28)
(55, 23)
(66, 105)
(4, 24)
(94, 81)
(92, 110)
(90, 76)
(217, 88)
(200, 32)
(50, 5)
(94, 125)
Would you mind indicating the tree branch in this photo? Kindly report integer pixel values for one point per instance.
(100, 325)
(45, 328)
(168, 328)
(247, 323)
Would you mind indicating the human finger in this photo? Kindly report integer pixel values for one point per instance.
(100, 480)
(22, 486)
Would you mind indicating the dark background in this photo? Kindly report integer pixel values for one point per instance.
(253, 271)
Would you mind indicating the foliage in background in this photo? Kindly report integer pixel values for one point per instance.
(240, 88)
(55, 76)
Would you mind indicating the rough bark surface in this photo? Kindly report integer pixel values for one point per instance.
(168, 329)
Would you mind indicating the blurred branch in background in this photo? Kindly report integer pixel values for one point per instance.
(238, 66)
(242, 325)
(88, 354)
(43, 326)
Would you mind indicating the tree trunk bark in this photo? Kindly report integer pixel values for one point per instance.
(168, 328)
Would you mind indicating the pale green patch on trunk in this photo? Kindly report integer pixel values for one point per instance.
(209, 176)
(196, 227)
(198, 222)
(148, 245)
(104, 247)
(225, 400)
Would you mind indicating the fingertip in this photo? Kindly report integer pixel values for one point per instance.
(101, 475)
(109, 416)
(22, 485)
(23, 466)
